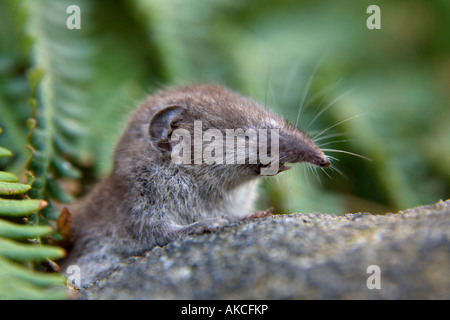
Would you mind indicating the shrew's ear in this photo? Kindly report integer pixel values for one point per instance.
(161, 126)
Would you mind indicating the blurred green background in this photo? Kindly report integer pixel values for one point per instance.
(392, 84)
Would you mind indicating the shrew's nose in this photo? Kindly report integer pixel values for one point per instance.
(321, 161)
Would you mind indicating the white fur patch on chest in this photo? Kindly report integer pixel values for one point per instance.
(242, 200)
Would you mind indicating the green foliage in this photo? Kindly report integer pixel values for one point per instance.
(89, 78)
(15, 208)
(17, 282)
(20, 247)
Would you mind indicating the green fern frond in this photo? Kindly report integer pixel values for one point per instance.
(5, 152)
(10, 188)
(21, 232)
(16, 251)
(20, 247)
(17, 208)
(88, 78)
(19, 282)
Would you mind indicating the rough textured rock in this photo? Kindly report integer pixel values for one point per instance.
(298, 256)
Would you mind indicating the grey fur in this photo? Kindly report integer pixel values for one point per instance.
(147, 200)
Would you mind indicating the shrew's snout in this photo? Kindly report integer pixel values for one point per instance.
(297, 147)
(321, 161)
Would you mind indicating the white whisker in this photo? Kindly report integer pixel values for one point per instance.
(338, 171)
(326, 173)
(317, 175)
(337, 124)
(331, 135)
(308, 86)
(329, 106)
(306, 176)
(326, 96)
(332, 158)
(347, 152)
(331, 142)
